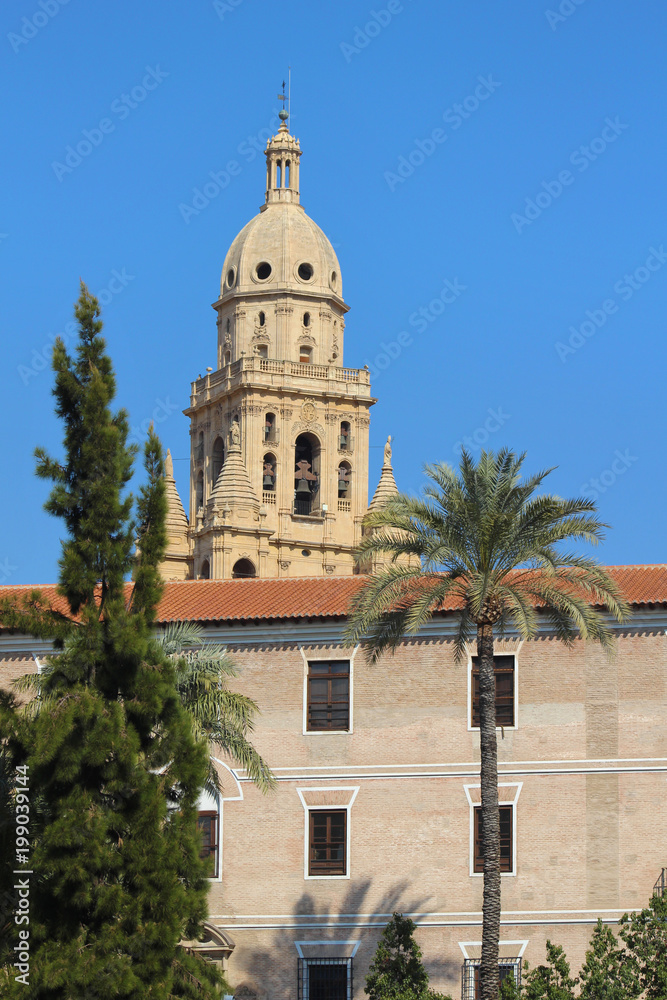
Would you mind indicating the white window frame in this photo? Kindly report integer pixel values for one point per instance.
(328, 807)
(507, 729)
(213, 802)
(505, 798)
(317, 657)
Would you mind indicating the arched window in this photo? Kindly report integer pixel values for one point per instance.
(205, 571)
(344, 437)
(270, 427)
(269, 473)
(279, 173)
(306, 319)
(262, 351)
(306, 473)
(217, 460)
(229, 325)
(200, 490)
(344, 475)
(262, 319)
(305, 354)
(287, 173)
(228, 357)
(199, 448)
(243, 568)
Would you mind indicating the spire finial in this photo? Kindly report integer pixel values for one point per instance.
(169, 465)
(283, 114)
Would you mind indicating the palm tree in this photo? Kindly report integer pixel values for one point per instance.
(219, 716)
(479, 540)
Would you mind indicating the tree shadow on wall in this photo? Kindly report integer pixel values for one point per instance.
(262, 969)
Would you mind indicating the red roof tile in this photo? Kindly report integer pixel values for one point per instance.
(317, 597)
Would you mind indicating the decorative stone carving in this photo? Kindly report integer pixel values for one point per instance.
(330, 568)
(284, 564)
(308, 412)
(301, 427)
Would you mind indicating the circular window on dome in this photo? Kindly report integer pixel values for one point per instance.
(231, 277)
(263, 271)
(305, 272)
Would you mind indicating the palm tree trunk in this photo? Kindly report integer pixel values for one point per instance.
(490, 815)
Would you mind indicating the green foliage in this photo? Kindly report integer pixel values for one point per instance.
(551, 981)
(397, 972)
(114, 768)
(645, 937)
(607, 972)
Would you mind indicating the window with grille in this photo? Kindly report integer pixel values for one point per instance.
(504, 671)
(207, 824)
(506, 851)
(470, 979)
(328, 695)
(327, 842)
(325, 979)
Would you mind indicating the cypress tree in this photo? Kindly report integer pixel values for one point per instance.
(397, 971)
(114, 770)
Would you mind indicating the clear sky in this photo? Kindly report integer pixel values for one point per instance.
(492, 176)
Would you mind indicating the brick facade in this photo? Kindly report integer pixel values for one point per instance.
(583, 768)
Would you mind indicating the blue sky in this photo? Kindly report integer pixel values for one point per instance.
(492, 176)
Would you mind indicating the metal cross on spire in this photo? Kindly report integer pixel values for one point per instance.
(285, 97)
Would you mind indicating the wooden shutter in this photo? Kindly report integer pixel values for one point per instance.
(504, 671)
(328, 695)
(328, 843)
(506, 850)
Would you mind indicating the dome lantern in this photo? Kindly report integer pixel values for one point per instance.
(282, 166)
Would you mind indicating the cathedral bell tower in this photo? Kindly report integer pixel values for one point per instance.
(279, 431)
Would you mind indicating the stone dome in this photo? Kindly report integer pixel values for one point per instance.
(281, 249)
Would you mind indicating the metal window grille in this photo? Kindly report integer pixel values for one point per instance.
(660, 887)
(325, 979)
(470, 984)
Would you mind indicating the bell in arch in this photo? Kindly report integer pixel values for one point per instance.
(268, 476)
(302, 488)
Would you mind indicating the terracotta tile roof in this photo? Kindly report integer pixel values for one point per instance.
(317, 597)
